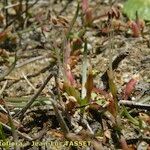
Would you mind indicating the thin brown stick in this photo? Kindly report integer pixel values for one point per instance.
(132, 104)
(30, 61)
(28, 82)
(33, 98)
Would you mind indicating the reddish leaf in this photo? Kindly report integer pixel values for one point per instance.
(140, 22)
(112, 107)
(87, 12)
(70, 77)
(89, 84)
(67, 70)
(102, 92)
(130, 86)
(85, 5)
(135, 29)
(88, 17)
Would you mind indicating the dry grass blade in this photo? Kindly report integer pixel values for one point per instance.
(29, 83)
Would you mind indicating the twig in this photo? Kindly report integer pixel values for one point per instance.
(23, 135)
(16, 4)
(30, 84)
(33, 98)
(3, 88)
(132, 104)
(30, 61)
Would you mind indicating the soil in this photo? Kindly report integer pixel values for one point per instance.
(38, 39)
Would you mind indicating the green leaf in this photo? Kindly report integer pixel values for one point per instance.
(83, 102)
(130, 118)
(141, 6)
(71, 91)
(101, 102)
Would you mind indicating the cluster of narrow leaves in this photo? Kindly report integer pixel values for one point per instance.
(86, 96)
(96, 99)
(114, 18)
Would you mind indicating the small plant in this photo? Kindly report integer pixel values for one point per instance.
(87, 13)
